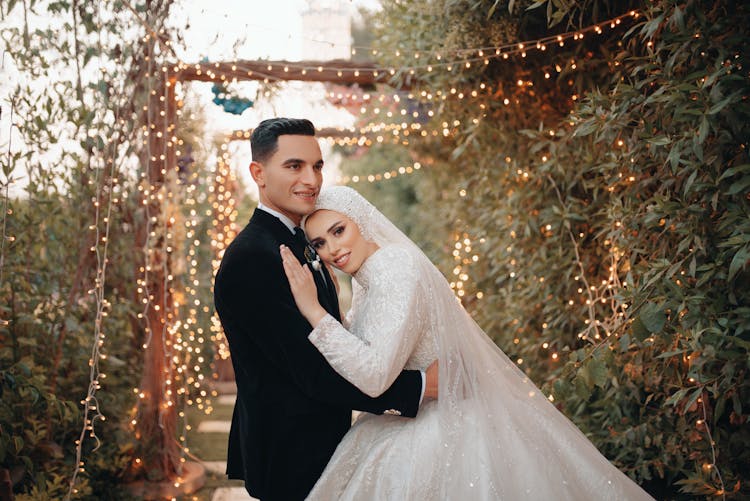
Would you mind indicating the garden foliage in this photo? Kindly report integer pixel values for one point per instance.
(609, 207)
(71, 187)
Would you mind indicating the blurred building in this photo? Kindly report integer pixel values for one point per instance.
(327, 30)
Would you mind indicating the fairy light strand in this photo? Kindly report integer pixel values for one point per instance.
(467, 59)
(416, 53)
(712, 467)
(101, 248)
(380, 176)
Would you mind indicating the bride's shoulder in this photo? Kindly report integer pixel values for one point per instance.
(394, 260)
(396, 252)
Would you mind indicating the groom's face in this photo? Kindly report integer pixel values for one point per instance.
(289, 181)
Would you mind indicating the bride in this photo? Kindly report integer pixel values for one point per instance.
(491, 434)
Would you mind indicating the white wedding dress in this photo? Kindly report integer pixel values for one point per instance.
(491, 434)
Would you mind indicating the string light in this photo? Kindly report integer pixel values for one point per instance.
(223, 230)
(380, 176)
(104, 197)
(463, 257)
(462, 58)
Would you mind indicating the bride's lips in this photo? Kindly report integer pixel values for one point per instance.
(341, 261)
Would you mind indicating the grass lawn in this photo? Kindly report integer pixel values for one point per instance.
(210, 447)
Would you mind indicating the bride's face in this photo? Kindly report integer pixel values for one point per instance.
(338, 241)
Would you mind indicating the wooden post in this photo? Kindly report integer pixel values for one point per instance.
(161, 472)
(157, 418)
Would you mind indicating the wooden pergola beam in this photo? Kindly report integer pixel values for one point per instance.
(336, 71)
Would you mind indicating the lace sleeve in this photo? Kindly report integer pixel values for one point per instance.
(372, 360)
(356, 298)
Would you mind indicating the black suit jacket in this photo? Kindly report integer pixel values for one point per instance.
(292, 408)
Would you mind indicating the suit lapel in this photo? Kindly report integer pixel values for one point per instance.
(331, 289)
(277, 229)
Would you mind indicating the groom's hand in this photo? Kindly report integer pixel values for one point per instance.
(431, 388)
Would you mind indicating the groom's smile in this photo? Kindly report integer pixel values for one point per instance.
(307, 195)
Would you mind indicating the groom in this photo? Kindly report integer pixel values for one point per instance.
(292, 408)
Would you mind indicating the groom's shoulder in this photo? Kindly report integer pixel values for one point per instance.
(253, 245)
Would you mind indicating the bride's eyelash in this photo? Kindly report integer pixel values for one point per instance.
(317, 244)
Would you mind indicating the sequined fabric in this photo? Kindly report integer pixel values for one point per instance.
(386, 338)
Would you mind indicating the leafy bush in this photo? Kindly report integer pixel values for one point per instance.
(612, 240)
(75, 150)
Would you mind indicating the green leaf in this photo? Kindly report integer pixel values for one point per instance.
(693, 397)
(624, 342)
(678, 18)
(737, 169)
(674, 156)
(653, 317)
(676, 397)
(17, 444)
(703, 130)
(670, 354)
(739, 186)
(536, 4)
(639, 330)
(689, 182)
(739, 261)
(585, 128)
(742, 343)
(659, 140)
(598, 372)
(582, 388)
(723, 103)
(650, 27)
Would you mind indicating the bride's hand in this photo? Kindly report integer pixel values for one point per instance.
(302, 284)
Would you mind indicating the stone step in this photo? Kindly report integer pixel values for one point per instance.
(214, 426)
(224, 387)
(226, 399)
(218, 467)
(232, 494)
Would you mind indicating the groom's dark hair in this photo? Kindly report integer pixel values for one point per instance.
(265, 138)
